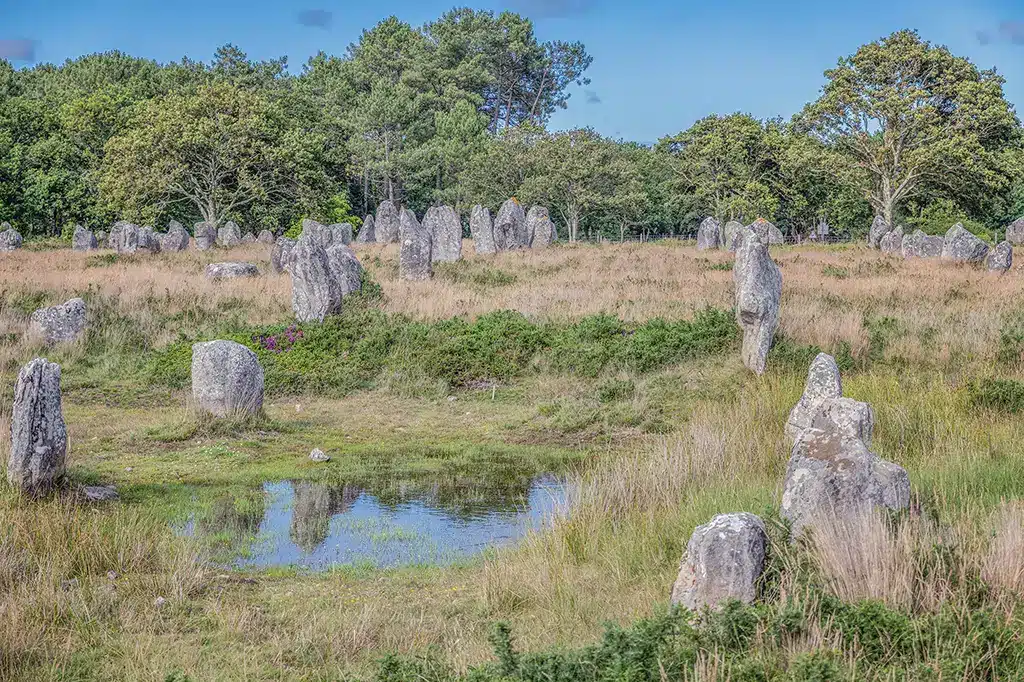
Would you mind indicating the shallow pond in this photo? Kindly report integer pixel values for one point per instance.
(314, 525)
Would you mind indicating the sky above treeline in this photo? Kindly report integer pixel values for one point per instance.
(659, 65)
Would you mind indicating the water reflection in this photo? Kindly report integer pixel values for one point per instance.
(317, 525)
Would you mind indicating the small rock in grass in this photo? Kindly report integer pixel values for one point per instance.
(318, 456)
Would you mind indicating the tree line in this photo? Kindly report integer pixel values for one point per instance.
(456, 112)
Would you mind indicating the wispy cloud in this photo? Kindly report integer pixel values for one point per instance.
(316, 18)
(552, 9)
(17, 50)
(1008, 32)
(592, 97)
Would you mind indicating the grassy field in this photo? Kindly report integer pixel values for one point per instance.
(618, 366)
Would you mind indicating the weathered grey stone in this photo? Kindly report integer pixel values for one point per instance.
(266, 237)
(101, 238)
(387, 223)
(248, 238)
(231, 270)
(1015, 232)
(341, 233)
(709, 235)
(481, 229)
(149, 241)
(10, 239)
(315, 292)
(124, 237)
(176, 238)
(445, 228)
(99, 493)
(60, 323)
(540, 229)
(963, 247)
(83, 240)
(205, 234)
(833, 472)
(510, 227)
(767, 232)
(318, 231)
(367, 233)
(227, 379)
(758, 295)
(920, 245)
(317, 455)
(229, 235)
(723, 561)
(1000, 258)
(892, 242)
(823, 382)
(879, 228)
(39, 439)
(345, 268)
(281, 254)
(732, 235)
(414, 258)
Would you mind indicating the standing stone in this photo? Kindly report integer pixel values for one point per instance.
(961, 246)
(124, 237)
(345, 268)
(149, 241)
(709, 234)
(481, 229)
(341, 233)
(758, 295)
(879, 228)
(823, 382)
(229, 236)
(1015, 232)
(248, 238)
(723, 561)
(227, 380)
(414, 258)
(39, 439)
(1000, 258)
(281, 254)
(387, 224)
(10, 239)
(266, 237)
(205, 234)
(83, 240)
(366, 234)
(101, 238)
(510, 227)
(540, 229)
(60, 323)
(231, 270)
(892, 242)
(318, 231)
(176, 238)
(767, 232)
(920, 245)
(832, 471)
(732, 235)
(445, 228)
(315, 292)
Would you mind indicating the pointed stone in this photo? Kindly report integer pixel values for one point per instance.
(758, 296)
(823, 382)
(39, 437)
(366, 235)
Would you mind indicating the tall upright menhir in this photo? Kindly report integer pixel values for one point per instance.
(39, 440)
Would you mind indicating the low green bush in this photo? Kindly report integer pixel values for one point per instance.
(1005, 395)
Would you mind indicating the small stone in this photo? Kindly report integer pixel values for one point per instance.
(366, 233)
(159, 602)
(205, 234)
(387, 223)
(879, 228)
(149, 241)
(961, 246)
(60, 323)
(1000, 258)
(709, 234)
(758, 296)
(112, 575)
(176, 238)
(823, 382)
(266, 237)
(892, 242)
(231, 270)
(510, 227)
(39, 437)
(920, 245)
(83, 240)
(317, 455)
(124, 237)
(100, 493)
(248, 238)
(724, 559)
(10, 239)
(1015, 232)
(540, 229)
(227, 379)
(481, 229)
(414, 258)
(229, 236)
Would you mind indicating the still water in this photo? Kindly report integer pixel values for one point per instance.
(318, 525)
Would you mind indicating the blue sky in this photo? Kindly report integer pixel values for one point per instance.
(659, 65)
